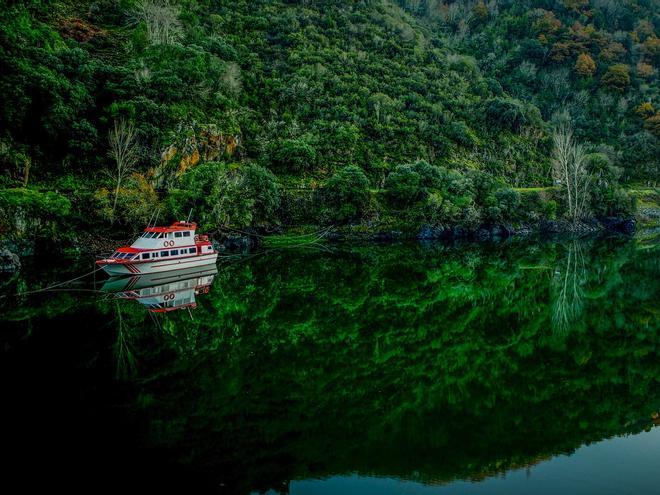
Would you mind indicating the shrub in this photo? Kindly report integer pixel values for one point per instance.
(512, 114)
(347, 194)
(136, 202)
(226, 195)
(293, 155)
(262, 186)
(404, 185)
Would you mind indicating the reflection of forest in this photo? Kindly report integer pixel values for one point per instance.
(430, 363)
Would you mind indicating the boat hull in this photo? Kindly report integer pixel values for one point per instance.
(141, 268)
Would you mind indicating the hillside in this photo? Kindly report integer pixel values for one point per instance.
(266, 113)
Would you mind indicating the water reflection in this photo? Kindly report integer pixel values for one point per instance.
(163, 292)
(568, 291)
(429, 363)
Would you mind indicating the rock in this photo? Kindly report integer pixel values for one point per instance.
(429, 233)
(622, 225)
(9, 261)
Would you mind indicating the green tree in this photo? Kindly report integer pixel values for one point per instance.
(347, 194)
(617, 77)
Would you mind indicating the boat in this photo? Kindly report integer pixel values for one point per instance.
(164, 292)
(162, 249)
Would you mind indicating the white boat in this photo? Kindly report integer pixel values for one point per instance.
(164, 292)
(162, 249)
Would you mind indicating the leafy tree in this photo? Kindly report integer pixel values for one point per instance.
(617, 77)
(585, 65)
(347, 194)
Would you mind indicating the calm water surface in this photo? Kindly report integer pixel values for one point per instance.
(519, 367)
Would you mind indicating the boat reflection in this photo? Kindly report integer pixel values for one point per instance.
(166, 291)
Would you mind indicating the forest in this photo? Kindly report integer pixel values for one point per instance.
(276, 114)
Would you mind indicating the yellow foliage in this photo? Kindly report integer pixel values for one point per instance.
(645, 110)
(645, 70)
(585, 65)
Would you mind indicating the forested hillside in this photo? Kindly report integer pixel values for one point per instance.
(265, 113)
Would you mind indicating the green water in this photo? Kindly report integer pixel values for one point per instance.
(519, 367)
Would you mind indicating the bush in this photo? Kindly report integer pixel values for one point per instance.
(136, 202)
(347, 194)
(262, 186)
(226, 196)
(512, 114)
(293, 155)
(30, 212)
(404, 186)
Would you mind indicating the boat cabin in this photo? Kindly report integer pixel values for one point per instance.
(158, 243)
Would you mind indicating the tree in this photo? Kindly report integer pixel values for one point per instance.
(161, 19)
(347, 192)
(617, 77)
(645, 70)
(124, 151)
(585, 65)
(480, 11)
(569, 167)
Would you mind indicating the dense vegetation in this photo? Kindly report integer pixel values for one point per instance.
(426, 362)
(320, 112)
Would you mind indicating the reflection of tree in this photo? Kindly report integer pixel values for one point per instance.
(570, 276)
(124, 356)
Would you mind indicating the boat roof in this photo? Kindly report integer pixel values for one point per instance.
(176, 226)
(129, 249)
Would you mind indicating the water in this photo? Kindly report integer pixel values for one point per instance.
(510, 368)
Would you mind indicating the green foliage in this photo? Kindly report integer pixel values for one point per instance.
(136, 202)
(307, 90)
(512, 114)
(222, 195)
(32, 213)
(617, 77)
(347, 194)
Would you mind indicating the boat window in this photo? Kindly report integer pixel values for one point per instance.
(174, 252)
(154, 255)
(164, 253)
(186, 233)
(177, 234)
(145, 256)
(115, 255)
(192, 250)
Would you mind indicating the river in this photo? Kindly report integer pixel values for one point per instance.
(513, 367)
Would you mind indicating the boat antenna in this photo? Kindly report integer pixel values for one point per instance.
(150, 219)
(189, 215)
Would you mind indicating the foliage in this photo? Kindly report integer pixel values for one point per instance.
(617, 77)
(307, 89)
(221, 195)
(347, 194)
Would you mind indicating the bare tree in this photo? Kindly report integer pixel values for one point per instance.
(124, 151)
(161, 18)
(569, 168)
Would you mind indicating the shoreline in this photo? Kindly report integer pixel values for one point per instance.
(92, 244)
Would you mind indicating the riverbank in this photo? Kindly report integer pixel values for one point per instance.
(646, 220)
